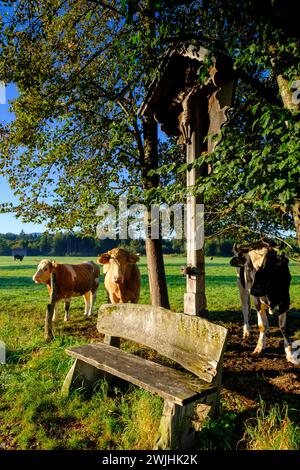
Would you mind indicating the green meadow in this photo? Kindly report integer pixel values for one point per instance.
(17, 290)
(33, 414)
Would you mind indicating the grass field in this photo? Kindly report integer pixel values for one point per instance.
(33, 414)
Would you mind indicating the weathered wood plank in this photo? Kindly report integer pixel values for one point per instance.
(193, 342)
(158, 379)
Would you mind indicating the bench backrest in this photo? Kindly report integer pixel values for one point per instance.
(195, 343)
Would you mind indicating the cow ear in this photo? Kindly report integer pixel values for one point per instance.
(103, 258)
(53, 265)
(237, 261)
(133, 258)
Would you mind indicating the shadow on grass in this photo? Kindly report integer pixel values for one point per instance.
(20, 355)
(16, 281)
(18, 267)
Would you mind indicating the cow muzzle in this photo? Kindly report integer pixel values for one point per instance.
(36, 279)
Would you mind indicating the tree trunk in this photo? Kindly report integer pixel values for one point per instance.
(289, 103)
(156, 269)
(156, 273)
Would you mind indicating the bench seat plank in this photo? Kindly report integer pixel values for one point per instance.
(163, 381)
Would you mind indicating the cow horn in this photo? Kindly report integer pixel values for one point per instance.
(235, 248)
(256, 245)
(242, 248)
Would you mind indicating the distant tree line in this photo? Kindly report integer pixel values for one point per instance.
(62, 244)
(58, 244)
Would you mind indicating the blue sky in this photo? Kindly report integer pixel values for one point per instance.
(8, 222)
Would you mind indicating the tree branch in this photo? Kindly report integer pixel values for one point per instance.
(109, 7)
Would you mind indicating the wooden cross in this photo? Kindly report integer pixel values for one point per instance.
(195, 112)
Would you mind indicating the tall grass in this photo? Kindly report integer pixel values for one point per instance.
(272, 429)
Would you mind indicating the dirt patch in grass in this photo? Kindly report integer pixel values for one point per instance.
(7, 437)
(247, 377)
(289, 381)
(84, 329)
(268, 374)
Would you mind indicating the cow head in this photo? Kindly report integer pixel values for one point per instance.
(257, 257)
(266, 273)
(44, 270)
(116, 261)
(273, 282)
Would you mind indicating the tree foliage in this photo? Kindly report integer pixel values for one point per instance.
(82, 69)
(76, 141)
(253, 188)
(256, 167)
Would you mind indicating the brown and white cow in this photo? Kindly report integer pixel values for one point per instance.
(122, 276)
(264, 275)
(72, 280)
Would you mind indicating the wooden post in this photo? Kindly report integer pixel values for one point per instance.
(50, 309)
(194, 298)
(201, 122)
(112, 340)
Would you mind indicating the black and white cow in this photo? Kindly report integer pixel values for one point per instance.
(265, 275)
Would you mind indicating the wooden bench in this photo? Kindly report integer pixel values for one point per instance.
(194, 343)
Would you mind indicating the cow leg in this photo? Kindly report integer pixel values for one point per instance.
(86, 297)
(135, 298)
(284, 328)
(132, 296)
(67, 310)
(113, 298)
(245, 301)
(54, 317)
(92, 302)
(263, 325)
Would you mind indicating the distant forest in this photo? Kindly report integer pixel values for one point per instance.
(61, 244)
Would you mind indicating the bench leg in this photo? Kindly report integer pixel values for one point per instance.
(178, 424)
(175, 429)
(81, 374)
(205, 408)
